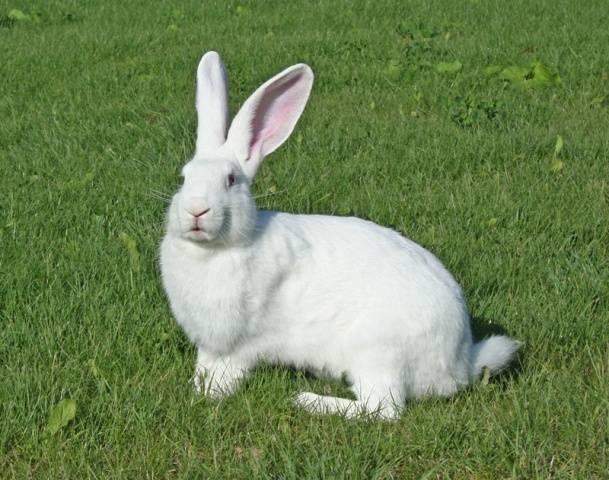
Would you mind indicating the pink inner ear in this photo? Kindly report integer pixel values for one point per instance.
(277, 113)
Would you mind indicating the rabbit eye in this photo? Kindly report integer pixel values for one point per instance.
(231, 180)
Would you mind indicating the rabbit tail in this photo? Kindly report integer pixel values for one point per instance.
(494, 353)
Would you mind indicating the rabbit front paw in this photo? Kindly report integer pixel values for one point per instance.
(218, 379)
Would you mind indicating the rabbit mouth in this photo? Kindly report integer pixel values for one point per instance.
(197, 234)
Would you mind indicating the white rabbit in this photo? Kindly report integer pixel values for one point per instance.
(336, 295)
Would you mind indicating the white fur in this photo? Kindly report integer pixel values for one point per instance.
(338, 296)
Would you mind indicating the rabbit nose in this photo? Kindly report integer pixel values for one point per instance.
(199, 213)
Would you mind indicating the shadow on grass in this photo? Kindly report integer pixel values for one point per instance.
(298, 379)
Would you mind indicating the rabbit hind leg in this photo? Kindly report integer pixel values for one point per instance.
(372, 400)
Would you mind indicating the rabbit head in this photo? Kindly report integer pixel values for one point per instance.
(214, 204)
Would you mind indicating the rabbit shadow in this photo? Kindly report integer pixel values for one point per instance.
(295, 379)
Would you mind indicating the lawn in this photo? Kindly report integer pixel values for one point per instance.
(480, 129)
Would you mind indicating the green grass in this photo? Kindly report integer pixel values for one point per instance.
(97, 117)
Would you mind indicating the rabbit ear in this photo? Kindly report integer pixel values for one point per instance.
(268, 117)
(212, 102)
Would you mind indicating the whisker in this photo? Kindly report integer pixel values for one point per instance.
(269, 194)
(160, 195)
